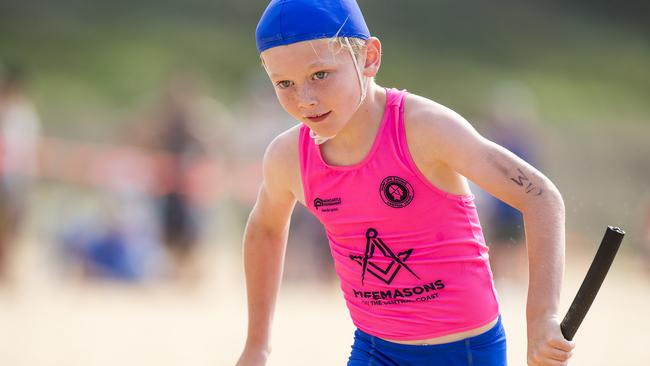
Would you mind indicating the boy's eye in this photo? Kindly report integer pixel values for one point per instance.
(321, 75)
(284, 84)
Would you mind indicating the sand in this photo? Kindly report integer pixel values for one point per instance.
(45, 321)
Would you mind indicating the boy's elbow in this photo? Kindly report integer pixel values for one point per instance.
(548, 198)
(260, 228)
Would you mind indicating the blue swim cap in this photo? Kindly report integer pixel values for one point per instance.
(289, 21)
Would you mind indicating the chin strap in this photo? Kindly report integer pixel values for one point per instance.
(319, 140)
(362, 86)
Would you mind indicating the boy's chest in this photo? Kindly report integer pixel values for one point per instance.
(363, 198)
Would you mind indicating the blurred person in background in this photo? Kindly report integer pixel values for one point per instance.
(19, 133)
(187, 127)
(117, 242)
(116, 238)
(513, 114)
(385, 171)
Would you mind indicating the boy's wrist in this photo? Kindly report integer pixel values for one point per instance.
(541, 312)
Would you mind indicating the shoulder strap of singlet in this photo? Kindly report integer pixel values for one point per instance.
(398, 137)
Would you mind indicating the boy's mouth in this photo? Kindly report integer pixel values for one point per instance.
(319, 117)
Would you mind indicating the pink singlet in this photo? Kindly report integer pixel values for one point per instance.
(410, 257)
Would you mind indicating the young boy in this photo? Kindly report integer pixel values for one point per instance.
(385, 173)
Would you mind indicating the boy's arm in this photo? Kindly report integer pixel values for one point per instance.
(265, 241)
(453, 141)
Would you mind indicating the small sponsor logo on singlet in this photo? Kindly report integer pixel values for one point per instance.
(396, 192)
(386, 274)
(327, 204)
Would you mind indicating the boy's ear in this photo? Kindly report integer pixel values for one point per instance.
(373, 57)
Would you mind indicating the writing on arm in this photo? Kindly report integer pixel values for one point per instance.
(523, 181)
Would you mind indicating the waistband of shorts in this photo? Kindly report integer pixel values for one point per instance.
(484, 337)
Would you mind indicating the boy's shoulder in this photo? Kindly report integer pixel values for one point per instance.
(282, 151)
(282, 162)
(422, 110)
(431, 126)
(286, 143)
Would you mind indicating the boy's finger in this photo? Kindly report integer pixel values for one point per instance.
(562, 344)
(558, 355)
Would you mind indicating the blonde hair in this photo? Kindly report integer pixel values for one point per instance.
(356, 46)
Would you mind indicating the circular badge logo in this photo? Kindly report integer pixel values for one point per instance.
(396, 192)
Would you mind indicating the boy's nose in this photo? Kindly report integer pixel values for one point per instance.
(307, 100)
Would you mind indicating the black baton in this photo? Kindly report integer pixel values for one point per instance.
(591, 284)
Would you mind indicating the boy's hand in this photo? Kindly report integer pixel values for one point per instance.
(546, 344)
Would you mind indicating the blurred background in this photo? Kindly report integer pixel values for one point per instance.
(131, 138)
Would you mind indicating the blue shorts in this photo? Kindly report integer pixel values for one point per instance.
(486, 349)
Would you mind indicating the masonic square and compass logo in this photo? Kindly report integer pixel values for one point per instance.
(374, 244)
(396, 192)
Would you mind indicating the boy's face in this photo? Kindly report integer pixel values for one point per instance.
(316, 83)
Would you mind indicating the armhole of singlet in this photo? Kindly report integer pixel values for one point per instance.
(406, 153)
(304, 142)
